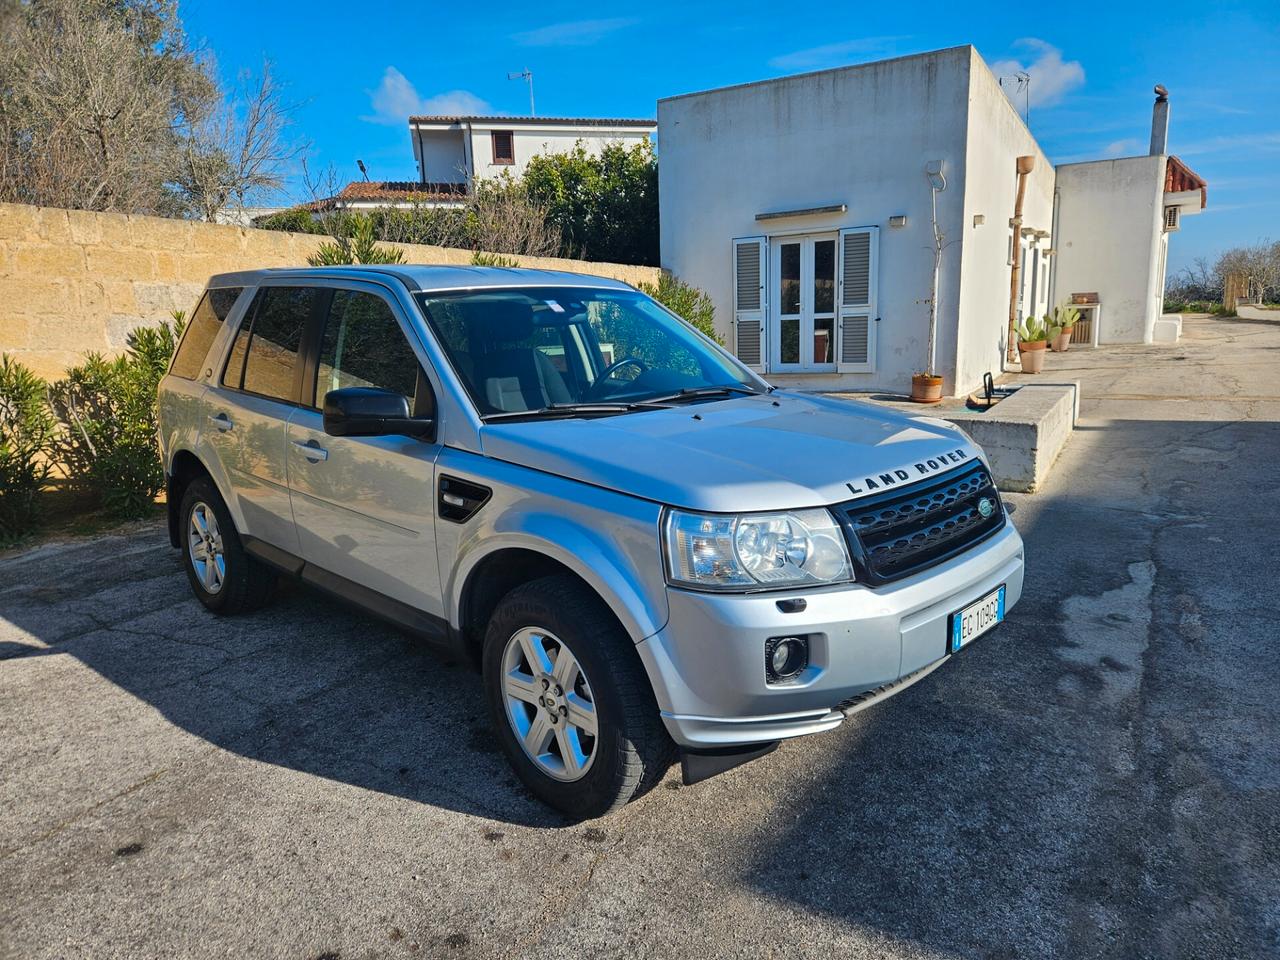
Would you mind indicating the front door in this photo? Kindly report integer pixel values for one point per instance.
(802, 322)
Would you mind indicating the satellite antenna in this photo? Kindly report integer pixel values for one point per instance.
(1021, 83)
(527, 76)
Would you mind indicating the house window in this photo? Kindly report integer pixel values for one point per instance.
(504, 147)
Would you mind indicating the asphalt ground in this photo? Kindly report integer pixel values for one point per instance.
(1100, 777)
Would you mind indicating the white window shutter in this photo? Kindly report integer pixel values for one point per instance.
(857, 268)
(750, 304)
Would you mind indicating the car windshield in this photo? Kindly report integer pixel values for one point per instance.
(572, 351)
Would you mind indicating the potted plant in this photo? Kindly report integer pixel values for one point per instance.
(1064, 319)
(926, 388)
(1033, 340)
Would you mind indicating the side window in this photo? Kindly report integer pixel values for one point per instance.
(363, 346)
(205, 323)
(271, 356)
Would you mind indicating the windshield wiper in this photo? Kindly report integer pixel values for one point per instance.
(699, 393)
(568, 410)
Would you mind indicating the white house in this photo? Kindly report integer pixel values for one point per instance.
(452, 153)
(805, 206)
(464, 149)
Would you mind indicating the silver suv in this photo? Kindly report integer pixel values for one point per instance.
(647, 550)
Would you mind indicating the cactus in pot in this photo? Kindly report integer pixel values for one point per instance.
(1033, 341)
(1064, 319)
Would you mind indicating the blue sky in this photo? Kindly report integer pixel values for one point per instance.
(358, 70)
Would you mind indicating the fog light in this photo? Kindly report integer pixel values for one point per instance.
(785, 658)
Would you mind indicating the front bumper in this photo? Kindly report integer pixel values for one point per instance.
(707, 664)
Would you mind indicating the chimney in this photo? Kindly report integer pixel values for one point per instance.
(1160, 122)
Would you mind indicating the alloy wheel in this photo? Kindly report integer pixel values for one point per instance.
(549, 703)
(204, 545)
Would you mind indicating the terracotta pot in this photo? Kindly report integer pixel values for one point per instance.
(926, 389)
(1062, 342)
(1032, 354)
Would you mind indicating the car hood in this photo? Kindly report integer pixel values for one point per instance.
(770, 452)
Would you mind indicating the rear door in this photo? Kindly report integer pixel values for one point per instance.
(365, 506)
(250, 405)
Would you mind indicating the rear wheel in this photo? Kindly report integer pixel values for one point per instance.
(222, 575)
(570, 701)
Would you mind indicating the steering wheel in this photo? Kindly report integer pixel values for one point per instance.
(613, 368)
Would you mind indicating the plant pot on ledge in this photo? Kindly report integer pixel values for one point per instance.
(1032, 353)
(926, 388)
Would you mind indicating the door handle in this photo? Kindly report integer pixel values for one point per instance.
(222, 422)
(311, 450)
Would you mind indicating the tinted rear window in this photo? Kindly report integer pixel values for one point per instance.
(210, 313)
(268, 342)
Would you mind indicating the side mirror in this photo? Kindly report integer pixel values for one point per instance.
(373, 412)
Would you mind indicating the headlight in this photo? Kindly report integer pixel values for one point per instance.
(755, 550)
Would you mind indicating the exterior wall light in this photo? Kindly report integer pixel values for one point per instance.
(899, 220)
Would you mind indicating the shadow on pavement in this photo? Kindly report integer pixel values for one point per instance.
(306, 683)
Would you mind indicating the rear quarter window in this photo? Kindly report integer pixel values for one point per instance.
(206, 320)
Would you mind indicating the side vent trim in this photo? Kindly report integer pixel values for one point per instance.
(459, 500)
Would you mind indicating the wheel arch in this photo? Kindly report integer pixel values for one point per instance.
(183, 468)
(489, 578)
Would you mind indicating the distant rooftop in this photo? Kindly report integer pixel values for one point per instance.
(1179, 178)
(539, 121)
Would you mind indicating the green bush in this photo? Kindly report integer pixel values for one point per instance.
(293, 220)
(27, 432)
(108, 413)
(685, 301)
(481, 259)
(605, 207)
(355, 245)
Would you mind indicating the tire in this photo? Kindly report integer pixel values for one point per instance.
(241, 583)
(630, 750)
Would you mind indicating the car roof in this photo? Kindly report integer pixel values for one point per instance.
(425, 277)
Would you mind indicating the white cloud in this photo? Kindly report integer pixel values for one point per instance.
(836, 54)
(1120, 148)
(1052, 78)
(574, 33)
(396, 99)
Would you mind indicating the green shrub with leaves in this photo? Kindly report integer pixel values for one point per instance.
(293, 220)
(482, 259)
(356, 244)
(108, 414)
(685, 301)
(605, 206)
(27, 448)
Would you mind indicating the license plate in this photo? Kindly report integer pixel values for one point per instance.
(975, 619)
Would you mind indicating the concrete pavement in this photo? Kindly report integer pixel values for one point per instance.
(1098, 778)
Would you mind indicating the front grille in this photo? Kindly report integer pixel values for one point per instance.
(896, 534)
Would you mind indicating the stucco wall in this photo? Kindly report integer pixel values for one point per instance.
(996, 138)
(73, 282)
(445, 155)
(860, 136)
(1108, 238)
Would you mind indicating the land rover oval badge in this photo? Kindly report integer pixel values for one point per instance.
(986, 507)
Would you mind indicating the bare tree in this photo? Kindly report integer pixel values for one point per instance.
(1258, 264)
(239, 150)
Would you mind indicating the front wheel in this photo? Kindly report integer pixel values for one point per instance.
(570, 701)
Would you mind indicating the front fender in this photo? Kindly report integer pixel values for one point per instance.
(610, 540)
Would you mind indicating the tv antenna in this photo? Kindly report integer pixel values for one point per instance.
(1021, 83)
(527, 76)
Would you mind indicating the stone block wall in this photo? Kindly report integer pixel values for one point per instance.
(72, 282)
